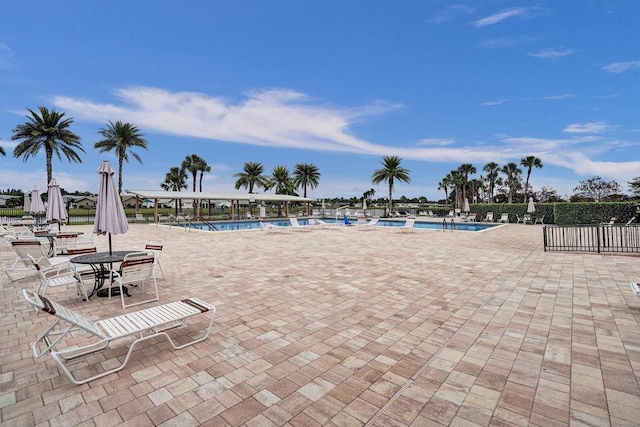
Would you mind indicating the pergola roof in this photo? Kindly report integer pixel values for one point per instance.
(159, 194)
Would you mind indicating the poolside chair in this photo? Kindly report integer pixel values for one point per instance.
(539, 220)
(141, 325)
(295, 225)
(140, 217)
(489, 217)
(82, 271)
(63, 241)
(370, 225)
(270, 227)
(408, 225)
(23, 248)
(504, 217)
(472, 217)
(526, 219)
(451, 214)
(635, 287)
(62, 275)
(137, 268)
(155, 246)
(633, 218)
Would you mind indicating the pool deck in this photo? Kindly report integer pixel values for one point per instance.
(346, 327)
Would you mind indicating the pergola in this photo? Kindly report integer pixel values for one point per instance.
(157, 195)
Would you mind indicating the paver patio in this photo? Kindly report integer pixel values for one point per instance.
(347, 327)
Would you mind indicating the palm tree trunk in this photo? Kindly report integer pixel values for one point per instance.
(49, 153)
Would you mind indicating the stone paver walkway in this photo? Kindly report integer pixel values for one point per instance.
(344, 327)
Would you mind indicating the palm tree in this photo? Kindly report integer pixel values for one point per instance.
(193, 163)
(513, 181)
(306, 175)
(529, 162)
(175, 180)
(282, 182)
(493, 173)
(251, 175)
(121, 138)
(444, 185)
(48, 131)
(390, 172)
(456, 181)
(204, 167)
(465, 169)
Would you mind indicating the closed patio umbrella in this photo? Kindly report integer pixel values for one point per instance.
(364, 206)
(465, 208)
(56, 211)
(26, 206)
(37, 205)
(110, 216)
(531, 208)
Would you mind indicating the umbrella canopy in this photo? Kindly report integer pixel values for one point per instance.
(110, 216)
(465, 208)
(531, 208)
(56, 211)
(37, 205)
(27, 203)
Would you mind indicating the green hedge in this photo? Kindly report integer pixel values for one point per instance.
(562, 213)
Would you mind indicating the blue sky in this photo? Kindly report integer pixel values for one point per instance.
(339, 84)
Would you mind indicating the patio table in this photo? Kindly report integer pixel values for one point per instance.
(101, 263)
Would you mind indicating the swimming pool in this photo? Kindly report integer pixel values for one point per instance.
(251, 225)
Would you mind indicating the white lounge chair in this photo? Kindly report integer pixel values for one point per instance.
(489, 217)
(137, 268)
(23, 248)
(526, 219)
(270, 227)
(635, 287)
(539, 220)
(504, 217)
(408, 225)
(62, 275)
(295, 225)
(371, 225)
(142, 324)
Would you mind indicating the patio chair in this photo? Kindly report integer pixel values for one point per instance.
(270, 227)
(62, 275)
(83, 271)
(539, 220)
(635, 288)
(155, 246)
(136, 269)
(526, 219)
(140, 217)
(408, 225)
(504, 217)
(472, 217)
(295, 225)
(370, 225)
(63, 241)
(23, 248)
(141, 325)
(489, 217)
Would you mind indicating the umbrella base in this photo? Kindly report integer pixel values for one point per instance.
(114, 292)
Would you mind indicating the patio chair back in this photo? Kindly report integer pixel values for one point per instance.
(156, 246)
(136, 269)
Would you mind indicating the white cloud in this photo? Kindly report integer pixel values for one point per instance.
(449, 13)
(506, 41)
(552, 53)
(501, 16)
(436, 141)
(592, 127)
(621, 67)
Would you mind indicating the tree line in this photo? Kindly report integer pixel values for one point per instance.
(49, 130)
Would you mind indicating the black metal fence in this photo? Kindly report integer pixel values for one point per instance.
(599, 238)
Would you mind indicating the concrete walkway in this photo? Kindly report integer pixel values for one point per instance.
(345, 327)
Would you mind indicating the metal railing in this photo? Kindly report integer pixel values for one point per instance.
(611, 238)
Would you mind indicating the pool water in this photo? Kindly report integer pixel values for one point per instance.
(250, 225)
